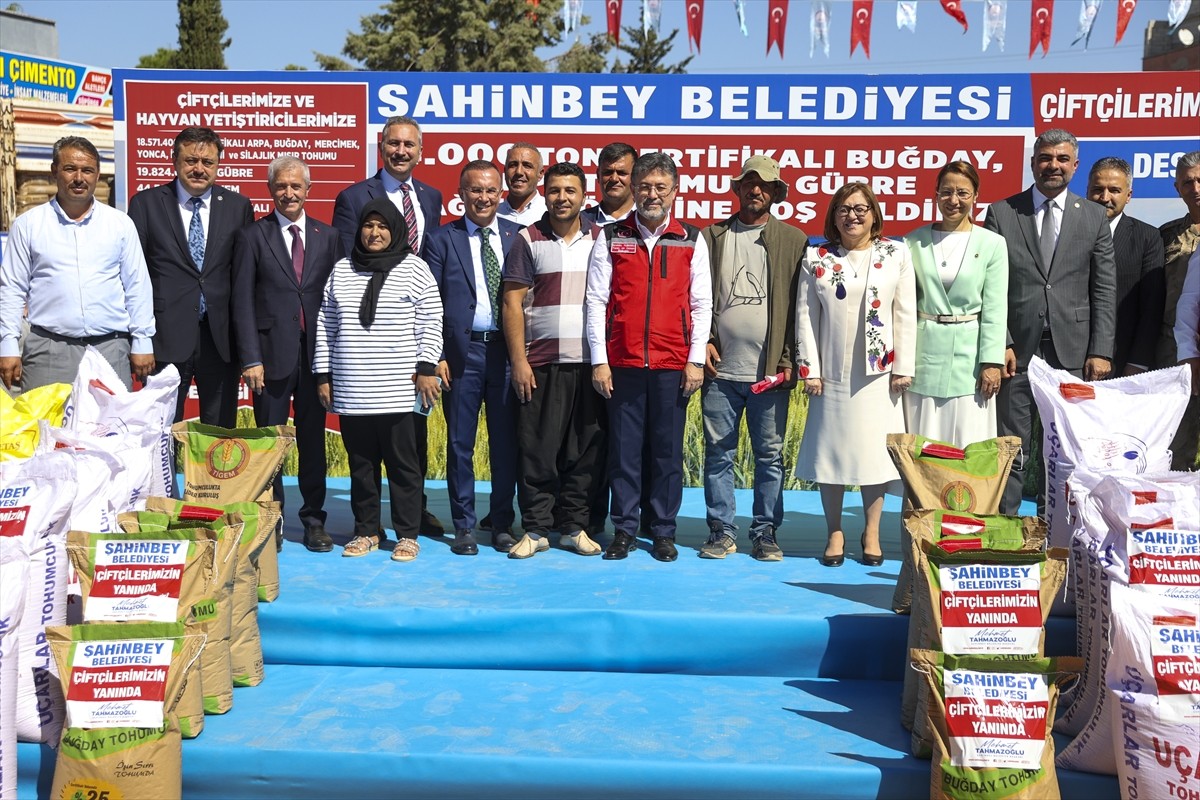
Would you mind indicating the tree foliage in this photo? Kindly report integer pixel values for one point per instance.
(202, 25)
(590, 57)
(453, 36)
(646, 51)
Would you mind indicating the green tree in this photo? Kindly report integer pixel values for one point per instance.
(646, 52)
(453, 36)
(201, 26)
(590, 57)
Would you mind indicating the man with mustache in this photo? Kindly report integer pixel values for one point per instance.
(421, 206)
(649, 308)
(1061, 290)
(522, 171)
(186, 228)
(1138, 253)
(74, 269)
(614, 167)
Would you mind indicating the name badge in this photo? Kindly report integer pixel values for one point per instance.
(623, 247)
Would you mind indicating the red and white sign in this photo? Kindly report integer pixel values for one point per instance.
(1162, 559)
(137, 579)
(118, 684)
(991, 608)
(1175, 652)
(996, 719)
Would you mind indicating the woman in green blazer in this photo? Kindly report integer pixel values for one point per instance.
(962, 316)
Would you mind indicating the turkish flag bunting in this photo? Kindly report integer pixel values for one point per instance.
(695, 12)
(1124, 12)
(860, 26)
(776, 24)
(954, 9)
(614, 19)
(1040, 22)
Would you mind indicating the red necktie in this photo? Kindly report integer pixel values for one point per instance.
(410, 218)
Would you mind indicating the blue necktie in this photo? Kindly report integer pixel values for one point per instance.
(196, 243)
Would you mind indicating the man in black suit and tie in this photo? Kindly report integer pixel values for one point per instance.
(1138, 252)
(187, 227)
(465, 257)
(1061, 290)
(421, 206)
(280, 265)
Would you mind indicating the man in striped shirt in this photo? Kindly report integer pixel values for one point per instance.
(561, 422)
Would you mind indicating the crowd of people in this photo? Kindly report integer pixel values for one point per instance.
(584, 331)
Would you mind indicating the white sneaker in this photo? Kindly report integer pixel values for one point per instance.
(581, 543)
(528, 546)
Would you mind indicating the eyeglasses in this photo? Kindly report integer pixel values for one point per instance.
(656, 189)
(858, 211)
(960, 194)
(479, 191)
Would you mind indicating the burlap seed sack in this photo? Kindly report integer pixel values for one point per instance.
(230, 466)
(981, 602)
(267, 564)
(991, 718)
(123, 680)
(940, 475)
(957, 531)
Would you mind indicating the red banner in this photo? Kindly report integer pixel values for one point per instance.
(776, 24)
(954, 9)
(695, 21)
(860, 26)
(1040, 21)
(614, 20)
(1124, 12)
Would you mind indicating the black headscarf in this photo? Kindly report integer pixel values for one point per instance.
(378, 264)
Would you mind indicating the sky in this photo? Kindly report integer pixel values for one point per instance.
(99, 34)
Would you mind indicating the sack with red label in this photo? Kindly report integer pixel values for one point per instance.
(14, 577)
(970, 479)
(991, 718)
(122, 681)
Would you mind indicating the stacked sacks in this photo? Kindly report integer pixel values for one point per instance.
(19, 418)
(122, 681)
(1102, 427)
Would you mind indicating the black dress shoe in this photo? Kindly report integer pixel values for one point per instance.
(430, 525)
(622, 543)
(503, 540)
(317, 540)
(664, 549)
(870, 559)
(833, 561)
(464, 543)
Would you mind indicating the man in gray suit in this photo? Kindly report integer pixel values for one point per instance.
(1061, 290)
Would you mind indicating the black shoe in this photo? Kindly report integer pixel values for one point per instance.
(316, 539)
(622, 543)
(464, 543)
(503, 540)
(835, 560)
(279, 536)
(870, 559)
(485, 524)
(430, 525)
(664, 549)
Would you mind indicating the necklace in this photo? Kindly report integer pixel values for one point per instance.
(953, 251)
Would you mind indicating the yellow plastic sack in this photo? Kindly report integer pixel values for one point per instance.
(19, 418)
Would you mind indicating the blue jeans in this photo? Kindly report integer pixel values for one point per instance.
(724, 403)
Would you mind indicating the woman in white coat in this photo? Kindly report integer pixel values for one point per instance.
(856, 330)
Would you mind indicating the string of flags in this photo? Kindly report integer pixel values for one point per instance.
(994, 20)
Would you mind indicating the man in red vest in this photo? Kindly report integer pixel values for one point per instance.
(649, 309)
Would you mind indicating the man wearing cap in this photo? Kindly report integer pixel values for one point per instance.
(754, 259)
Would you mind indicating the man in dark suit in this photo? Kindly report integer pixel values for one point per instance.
(465, 257)
(1138, 252)
(1181, 239)
(1061, 290)
(280, 265)
(421, 206)
(187, 227)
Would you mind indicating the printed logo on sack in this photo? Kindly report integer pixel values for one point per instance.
(957, 496)
(226, 458)
(12, 520)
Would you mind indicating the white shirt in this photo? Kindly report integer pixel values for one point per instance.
(392, 186)
(285, 223)
(1039, 203)
(1112, 223)
(185, 210)
(533, 210)
(599, 286)
(485, 314)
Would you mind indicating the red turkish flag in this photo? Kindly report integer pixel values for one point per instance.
(776, 24)
(954, 9)
(1124, 12)
(614, 19)
(1040, 22)
(695, 19)
(860, 26)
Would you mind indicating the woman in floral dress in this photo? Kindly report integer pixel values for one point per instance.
(856, 326)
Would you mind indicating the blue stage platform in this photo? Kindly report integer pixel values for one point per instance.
(562, 676)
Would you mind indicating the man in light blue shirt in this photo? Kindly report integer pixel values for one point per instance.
(75, 268)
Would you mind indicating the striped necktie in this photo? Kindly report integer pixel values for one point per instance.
(410, 218)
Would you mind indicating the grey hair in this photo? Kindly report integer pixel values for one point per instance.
(1056, 136)
(654, 162)
(1113, 163)
(287, 162)
(1187, 161)
(402, 121)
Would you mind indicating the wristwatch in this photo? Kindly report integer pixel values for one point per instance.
(697, 364)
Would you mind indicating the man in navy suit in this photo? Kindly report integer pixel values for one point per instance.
(1138, 252)
(280, 265)
(187, 227)
(465, 257)
(419, 203)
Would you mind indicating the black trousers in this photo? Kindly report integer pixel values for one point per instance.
(217, 382)
(390, 440)
(562, 441)
(295, 397)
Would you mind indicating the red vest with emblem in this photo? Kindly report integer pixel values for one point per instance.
(649, 316)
